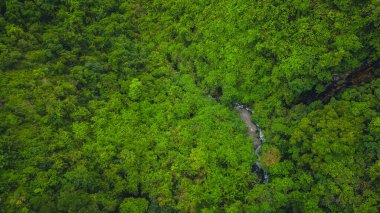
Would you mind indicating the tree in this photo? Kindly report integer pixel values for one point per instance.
(134, 205)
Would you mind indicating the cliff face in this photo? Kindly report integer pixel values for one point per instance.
(365, 74)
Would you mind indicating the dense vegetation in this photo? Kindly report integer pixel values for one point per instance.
(126, 106)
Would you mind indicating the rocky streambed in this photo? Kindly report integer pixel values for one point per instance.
(257, 136)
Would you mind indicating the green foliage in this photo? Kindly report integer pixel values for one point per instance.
(134, 205)
(135, 89)
(110, 106)
(270, 157)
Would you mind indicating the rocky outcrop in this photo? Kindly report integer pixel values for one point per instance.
(364, 74)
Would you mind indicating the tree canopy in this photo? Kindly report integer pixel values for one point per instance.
(127, 106)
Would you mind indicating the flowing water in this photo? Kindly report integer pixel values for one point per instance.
(257, 136)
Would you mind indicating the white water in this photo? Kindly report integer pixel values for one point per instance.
(257, 136)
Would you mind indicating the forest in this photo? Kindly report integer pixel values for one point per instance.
(129, 106)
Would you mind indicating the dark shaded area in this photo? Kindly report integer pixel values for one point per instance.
(364, 74)
(2, 7)
(216, 94)
(259, 172)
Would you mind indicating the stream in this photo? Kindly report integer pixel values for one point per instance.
(364, 74)
(257, 136)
